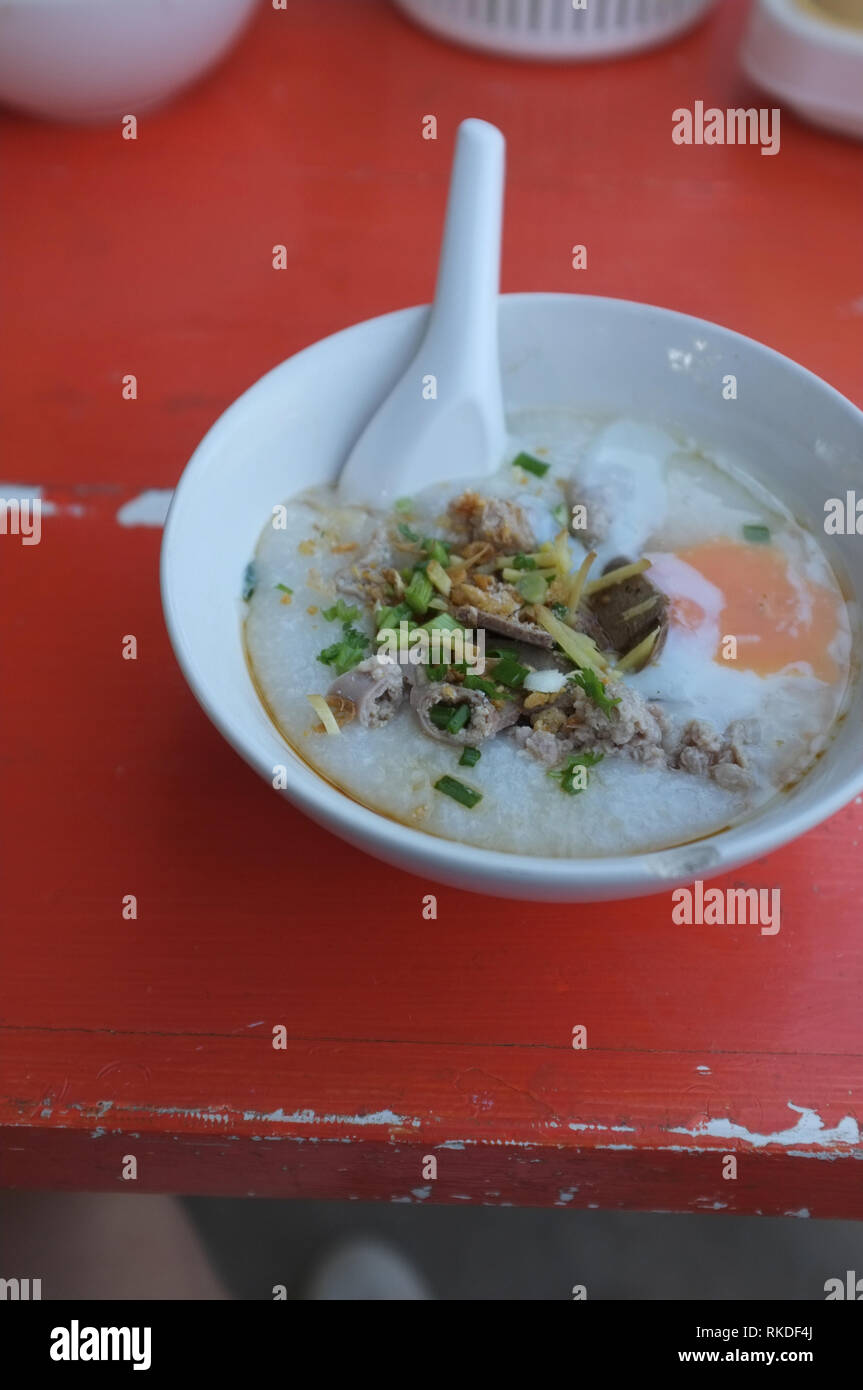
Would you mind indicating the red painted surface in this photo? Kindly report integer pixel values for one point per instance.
(405, 1037)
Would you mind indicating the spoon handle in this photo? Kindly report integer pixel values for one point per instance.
(463, 323)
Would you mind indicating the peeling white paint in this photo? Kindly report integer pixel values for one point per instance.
(450, 1144)
(36, 490)
(826, 1157)
(608, 1129)
(421, 1193)
(102, 1107)
(705, 1070)
(498, 1143)
(308, 1117)
(174, 1111)
(150, 508)
(804, 1211)
(680, 1148)
(29, 490)
(809, 1129)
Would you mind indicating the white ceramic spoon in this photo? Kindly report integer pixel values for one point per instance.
(444, 418)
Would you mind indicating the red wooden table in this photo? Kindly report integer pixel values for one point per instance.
(406, 1038)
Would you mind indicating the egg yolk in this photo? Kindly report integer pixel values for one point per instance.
(776, 622)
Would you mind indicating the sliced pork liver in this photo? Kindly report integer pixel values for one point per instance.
(610, 606)
(513, 628)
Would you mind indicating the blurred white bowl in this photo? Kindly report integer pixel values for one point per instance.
(805, 57)
(294, 428)
(94, 60)
(554, 29)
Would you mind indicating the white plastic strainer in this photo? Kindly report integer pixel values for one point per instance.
(554, 28)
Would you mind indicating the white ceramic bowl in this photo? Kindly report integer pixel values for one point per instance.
(810, 61)
(94, 60)
(554, 29)
(295, 426)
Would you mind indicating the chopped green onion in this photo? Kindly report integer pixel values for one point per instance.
(560, 610)
(443, 622)
(345, 654)
(531, 465)
(520, 561)
(285, 590)
(460, 718)
(594, 690)
(391, 617)
(758, 534)
(451, 786)
(560, 514)
(566, 775)
(409, 533)
(450, 718)
(250, 580)
(472, 682)
(339, 610)
(403, 504)
(509, 671)
(436, 550)
(419, 591)
(470, 757)
(532, 587)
